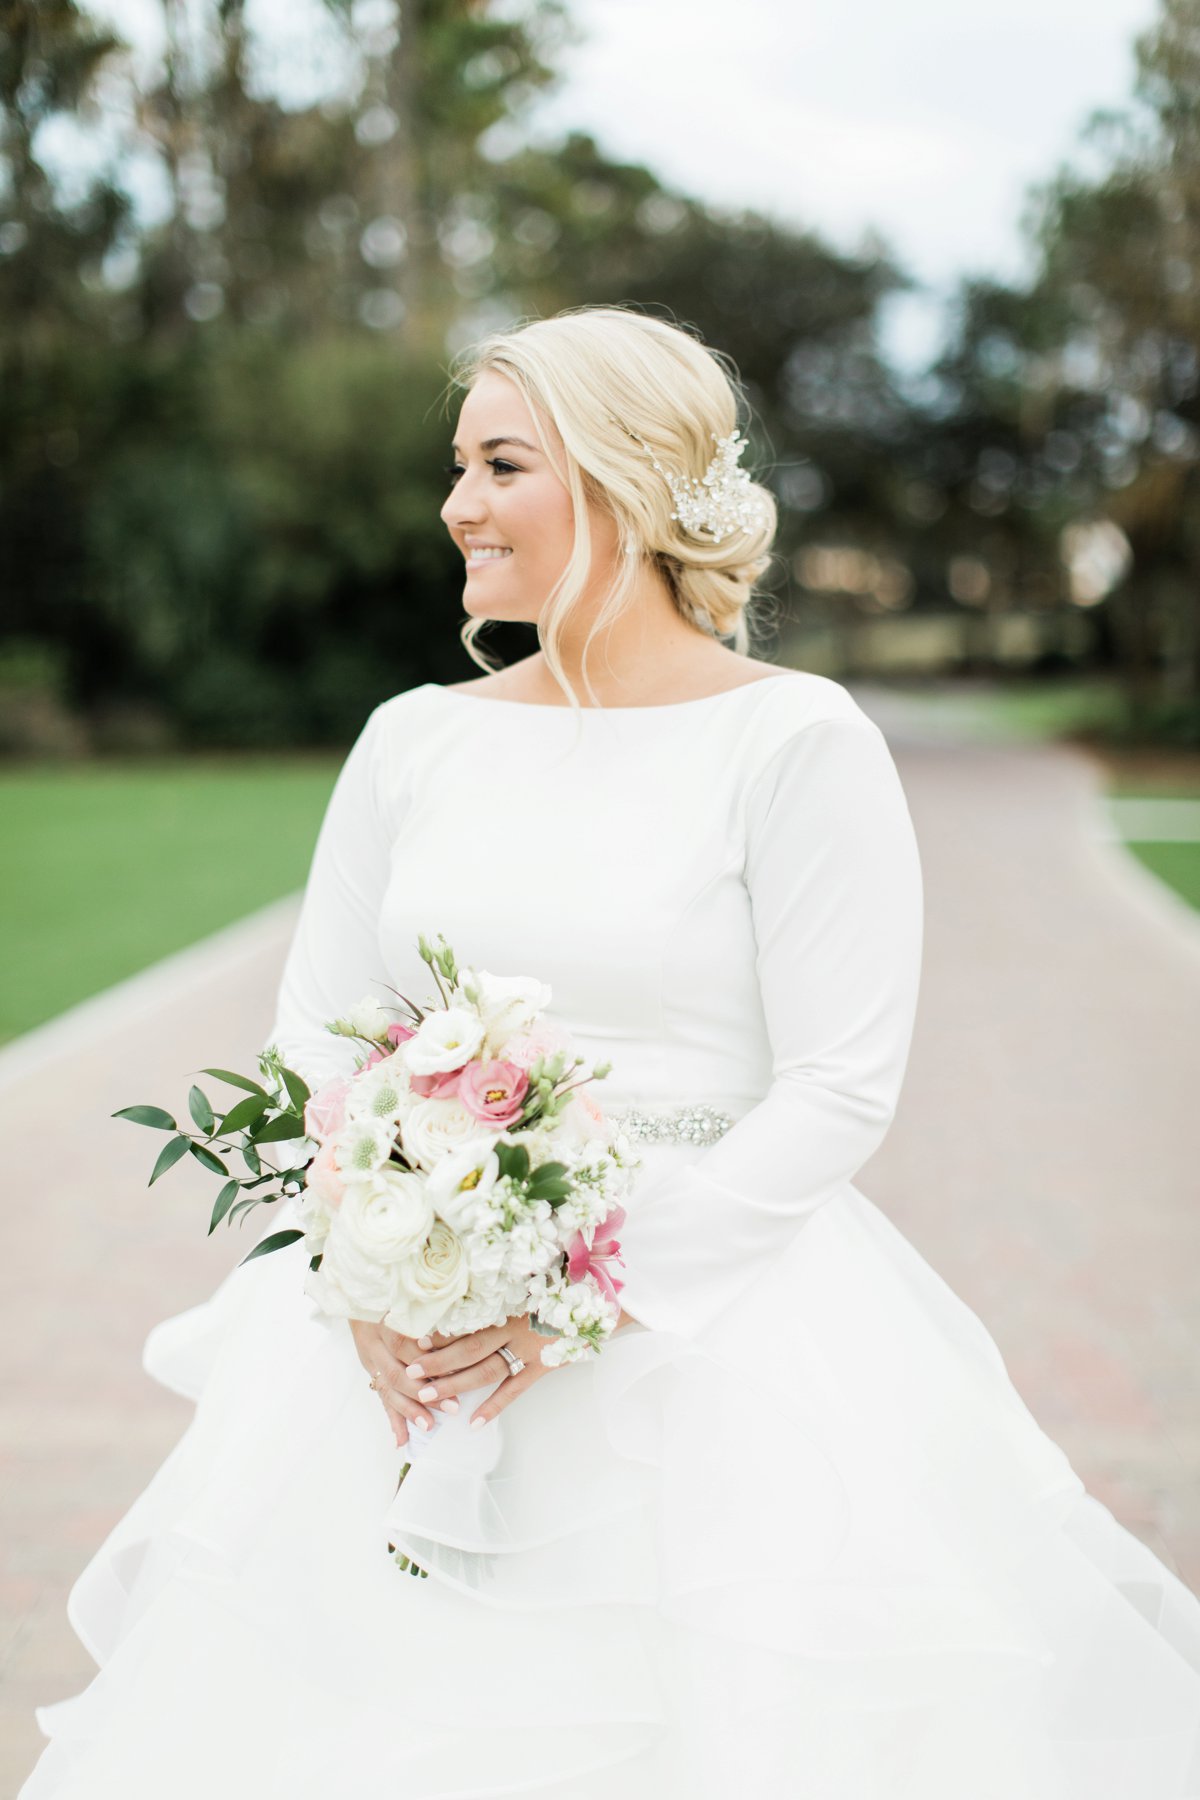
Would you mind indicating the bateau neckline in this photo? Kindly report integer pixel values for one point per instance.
(661, 707)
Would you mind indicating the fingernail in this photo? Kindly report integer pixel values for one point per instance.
(424, 1424)
(476, 1423)
(427, 1393)
(426, 1343)
(449, 1405)
(415, 1370)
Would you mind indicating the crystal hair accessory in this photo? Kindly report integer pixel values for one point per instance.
(723, 501)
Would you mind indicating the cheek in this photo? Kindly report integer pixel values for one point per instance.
(542, 517)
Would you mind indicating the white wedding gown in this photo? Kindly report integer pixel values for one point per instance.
(794, 1533)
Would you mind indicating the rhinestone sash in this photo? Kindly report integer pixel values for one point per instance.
(697, 1123)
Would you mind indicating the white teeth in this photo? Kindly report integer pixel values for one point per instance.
(488, 555)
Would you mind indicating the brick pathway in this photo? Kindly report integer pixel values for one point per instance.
(1043, 1159)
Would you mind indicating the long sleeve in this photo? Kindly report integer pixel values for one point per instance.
(335, 957)
(836, 898)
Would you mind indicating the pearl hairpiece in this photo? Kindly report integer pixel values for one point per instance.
(723, 501)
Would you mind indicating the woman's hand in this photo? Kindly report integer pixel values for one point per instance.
(388, 1351)
(475, 1360)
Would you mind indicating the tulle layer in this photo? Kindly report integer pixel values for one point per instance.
(822, 1550)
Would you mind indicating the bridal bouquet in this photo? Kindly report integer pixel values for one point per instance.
(457, 1176)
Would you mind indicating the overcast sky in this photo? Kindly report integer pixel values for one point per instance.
(926, 120)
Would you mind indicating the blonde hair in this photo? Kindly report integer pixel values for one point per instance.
(607, 376)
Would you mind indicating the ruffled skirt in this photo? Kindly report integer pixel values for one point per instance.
(822, 1551)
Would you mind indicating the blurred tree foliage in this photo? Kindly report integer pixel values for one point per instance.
(224, 330)
(1071, 408)
(224, 443)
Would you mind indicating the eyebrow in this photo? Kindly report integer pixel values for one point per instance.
(495, 443)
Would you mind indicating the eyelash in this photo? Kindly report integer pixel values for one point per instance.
(454, 470)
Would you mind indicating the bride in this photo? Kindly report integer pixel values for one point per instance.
(793, 1533)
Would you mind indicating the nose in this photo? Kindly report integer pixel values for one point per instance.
(463, 505)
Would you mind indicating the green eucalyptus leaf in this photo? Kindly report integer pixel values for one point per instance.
(244, 1113)
(237, 1081)
(200, 1109)
(207, 1160)
(298, 1091)
(287, 1125)
(276, 1241)
(153, 1116)
(252, 1159)
(168, 1156)
(225, 1200)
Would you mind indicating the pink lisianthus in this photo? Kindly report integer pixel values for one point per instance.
(396, 1035)
(494, 1090)
(324, 1178)
(584, 1260)
(325, 1111)
(539, 1039)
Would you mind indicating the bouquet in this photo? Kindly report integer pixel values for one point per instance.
(458, 1175)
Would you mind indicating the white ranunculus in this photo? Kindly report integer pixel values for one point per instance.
(444, 1040)
(429, 1282)
(382, 1222)
(435, 1127)
(462, 1179)
(366, 1019)
(380, 1093)
(507, 1004)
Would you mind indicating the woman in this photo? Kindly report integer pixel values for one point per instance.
(794, 1532)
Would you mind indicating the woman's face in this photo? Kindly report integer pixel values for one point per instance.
(507, 510)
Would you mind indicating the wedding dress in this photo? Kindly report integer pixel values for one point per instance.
(794, 1533)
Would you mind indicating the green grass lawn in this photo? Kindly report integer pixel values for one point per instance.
(109, 866)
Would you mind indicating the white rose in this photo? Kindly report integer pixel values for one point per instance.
(367, 1019)
(444, 1040)
(435, 1127)
(507, 1004)
(380, 1093)
(463, 1178)
(431, 1280)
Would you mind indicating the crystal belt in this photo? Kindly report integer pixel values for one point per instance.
(693, 1124)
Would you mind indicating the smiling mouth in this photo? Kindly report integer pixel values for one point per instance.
(492, 553)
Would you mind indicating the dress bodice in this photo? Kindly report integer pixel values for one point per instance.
(723, 894)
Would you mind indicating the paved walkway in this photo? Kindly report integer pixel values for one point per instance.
(1044, 1160)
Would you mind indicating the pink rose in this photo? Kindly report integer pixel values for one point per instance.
(324, 1177)
(441, 1085)
(325, 1111)
(493, 1090)
(540, 1039)
(584, 1259)
(586, 1115)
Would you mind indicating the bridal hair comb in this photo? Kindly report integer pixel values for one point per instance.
(723, 501)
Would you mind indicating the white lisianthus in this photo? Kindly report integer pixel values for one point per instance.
(366, 1019)
(429, 1282)
(362, 1146)
(444, 1040)
(380, 1094)
(435, 1127)
(463, 1180)
(506, 1003)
